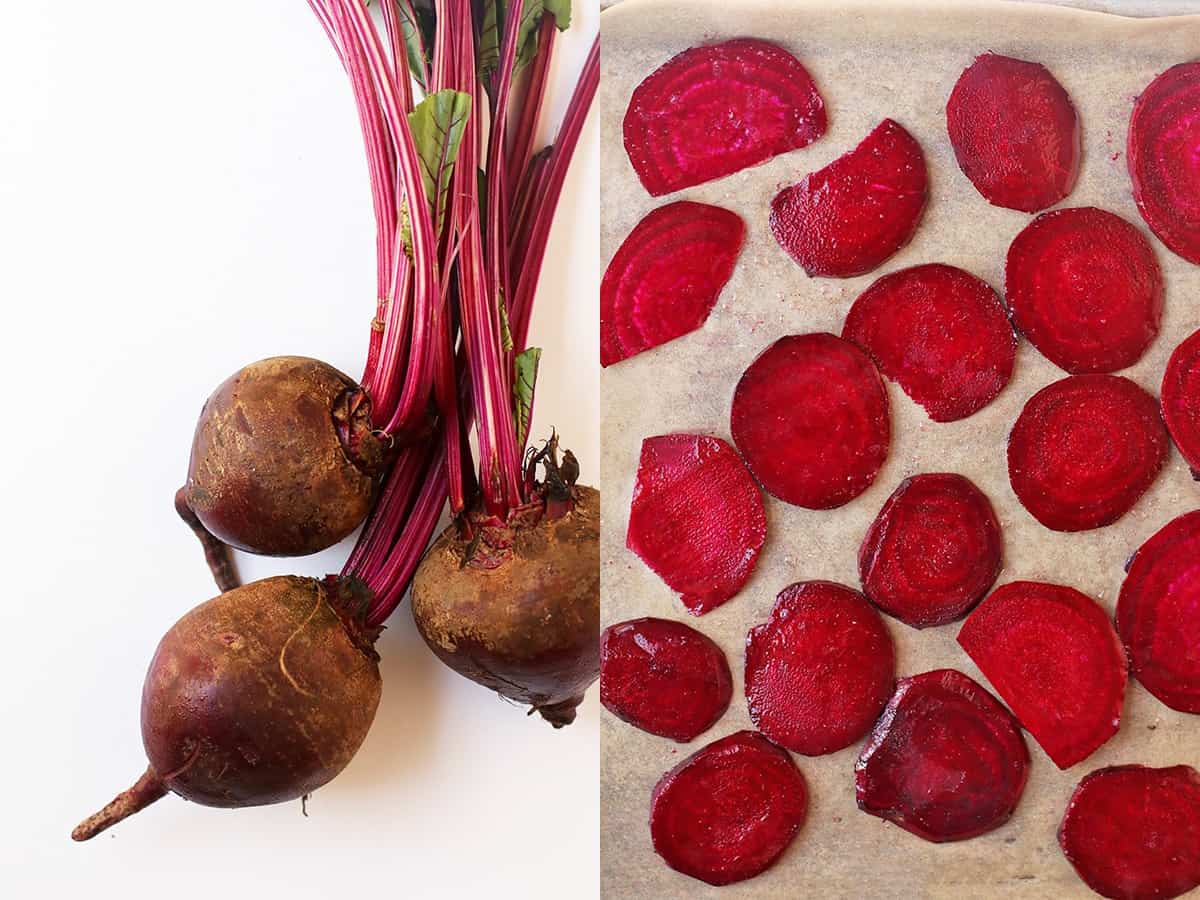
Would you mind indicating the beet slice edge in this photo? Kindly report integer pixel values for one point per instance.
(1181, 400)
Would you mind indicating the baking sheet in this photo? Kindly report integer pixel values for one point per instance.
(871, 61)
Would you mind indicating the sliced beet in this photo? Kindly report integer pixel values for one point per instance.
(715, 110)
(1181, 400)
(1084, 286)
(697, 518)
(1015, 132)
(946, 761)
(810, 415)
(729, 810)
(1052, 655)
(1084, 449)
(850, 216)
(932, 552)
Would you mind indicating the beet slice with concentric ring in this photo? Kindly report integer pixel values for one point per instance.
(1181, 400)
(932, 552)
(1084, 286)
(940, 333)
(1052, 655)
(850, 216)
(728, 811)
(1084, 450)
(715, 110)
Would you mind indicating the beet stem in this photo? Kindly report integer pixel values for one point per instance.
(560, 714)
(145, 791)
(216, 551)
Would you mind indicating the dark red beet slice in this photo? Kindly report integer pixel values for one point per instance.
(820, 670)
(729, 810)
(1052, 655)
(1133, 832)
(810, 415)
(663, 677)
(666, 277)
(1083, 285)
(697, 518)
(1015, 132)
(946, 761)
(1181, 400)
(932, 552)
(1084, 449)
(715, 110)
(850, 216)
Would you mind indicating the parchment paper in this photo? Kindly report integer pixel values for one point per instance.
(871, 61)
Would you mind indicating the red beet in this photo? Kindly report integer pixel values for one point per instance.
(697, 518)
(820, 670)
(1052, 655)
(850, 216)
(946, 761)
(665, 278)
(1133, 832)
(1181, 400)
(663, 677)
(810, 415)
(1015, 132)
(729, 810)
(932, 552)
(1084, 449)
(715, 110)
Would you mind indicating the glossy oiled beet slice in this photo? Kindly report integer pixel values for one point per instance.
(1181, 400)
(666, 277)
(729, 810)
(820, 670)
(1084, 449)
(932, 552)
(697, 518)
(1083, 285)
(850, 216)
(1015, 132)
(810, 415)
(715, 110)
(1052, 655)
(946, 761)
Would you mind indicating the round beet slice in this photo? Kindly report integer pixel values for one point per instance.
(729, 810)
(1084, 286)
(1181, 400)
(810, 415)
(663, 677)
(1084, 449)
(946, 761)
(1133, 832)
(850, 216)
(932, 552)
(1015, 132)
(1052, 655)
(715, 110)
(820, 670)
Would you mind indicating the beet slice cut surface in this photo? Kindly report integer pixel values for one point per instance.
(717, 109)
(850, 216)
(1084, 449)
(666, 277)
(810, 415)
(1181, 400)
(1052, 655)
(729, 810)
(946, 760)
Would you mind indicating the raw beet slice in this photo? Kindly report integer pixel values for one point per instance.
(810, 415)
(1133, 832)
(697, 518)
(1015, 132)
(932, 552)
(663, 677)
(1181, 400)
(715, 110)
(1084, 286)
(946, 761)
(729, 810)
(820, 670)
(1084, 449)
(1052, 655)
(666, 277)
(850, 216)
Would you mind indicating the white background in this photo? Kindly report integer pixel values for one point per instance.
(182, 191)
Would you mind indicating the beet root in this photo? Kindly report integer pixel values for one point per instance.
(1181, 400)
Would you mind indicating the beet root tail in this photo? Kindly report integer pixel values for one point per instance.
(216, 551)
(560, 714)
(145, 791)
